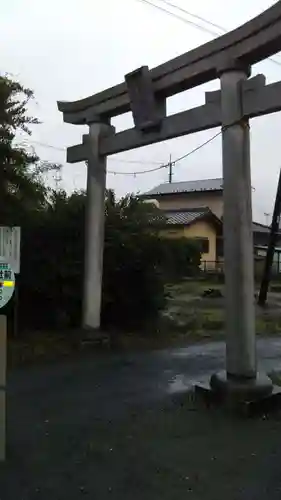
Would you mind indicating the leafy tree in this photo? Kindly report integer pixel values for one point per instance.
(21, 183)
(52, 263)
(23, 192)
(133, 278)
(137, 260)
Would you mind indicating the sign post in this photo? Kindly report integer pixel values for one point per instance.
(3, 364)
(10, 242)
(7, 286)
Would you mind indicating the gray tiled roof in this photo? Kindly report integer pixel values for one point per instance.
(187, 187)
(260, 228)
(185, 216)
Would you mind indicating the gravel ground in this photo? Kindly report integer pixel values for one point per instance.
(107, 426)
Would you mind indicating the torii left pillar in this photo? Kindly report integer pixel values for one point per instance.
(94, 227)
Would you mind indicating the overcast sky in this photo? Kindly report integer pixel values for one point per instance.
(69, 49)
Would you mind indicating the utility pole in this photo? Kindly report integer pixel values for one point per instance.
(271, 246)
(266, 214)
(170, 170)
(58, 178)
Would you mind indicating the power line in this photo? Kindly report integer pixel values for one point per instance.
(199, 147)
(150, 170)
(192, 23)
(45, 145)
(136, 162)
(221, 28)
(134, 174)
(121, 160)
(178, 16)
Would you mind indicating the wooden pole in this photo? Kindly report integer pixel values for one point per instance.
(15, 312)
(3, 363)
(271, 246)
(170, 170)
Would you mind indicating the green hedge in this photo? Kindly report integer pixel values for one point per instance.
(137, 264)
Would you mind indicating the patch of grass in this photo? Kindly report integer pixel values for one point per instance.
(191, 315)
(275, 377)
(194, 288)
(188, 318)
(198, 317)
(151, 340)
(268, 325)
(193, 324)
(39, 346)
(275, 288)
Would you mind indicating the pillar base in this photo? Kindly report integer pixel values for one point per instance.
(241, 389)
(244, 396)
(94, 336)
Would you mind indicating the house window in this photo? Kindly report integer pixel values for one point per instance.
(203, 243)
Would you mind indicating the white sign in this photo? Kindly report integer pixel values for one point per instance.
(10, 246)
(7, 282)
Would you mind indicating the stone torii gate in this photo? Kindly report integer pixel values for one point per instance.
(144, 92)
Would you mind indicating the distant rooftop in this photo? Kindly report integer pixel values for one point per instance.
(260, 228)
(187, 216)
(187, 187)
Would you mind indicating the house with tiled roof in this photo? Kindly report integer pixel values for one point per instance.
(194, 209)
(189, 194)
(199, 224)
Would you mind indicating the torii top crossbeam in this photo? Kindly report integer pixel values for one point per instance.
(250, 43)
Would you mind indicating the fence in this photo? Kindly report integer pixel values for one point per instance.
(216, 267)
(212, 266)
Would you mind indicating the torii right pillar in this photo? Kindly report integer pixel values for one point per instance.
(240, 380)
